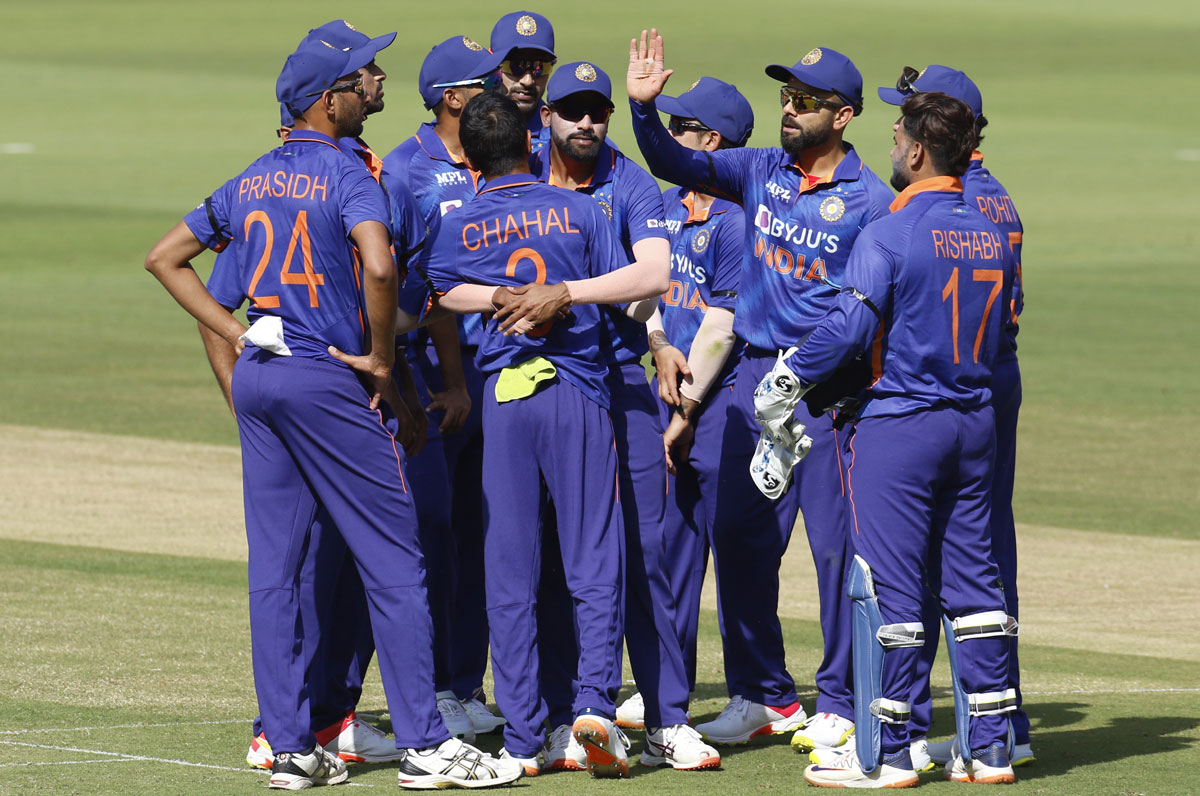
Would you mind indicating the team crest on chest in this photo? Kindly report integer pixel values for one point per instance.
(586, 73)
(526, 25)
(606, 207)
(813, 56)
(700, 241)
(833, 208)
(471, 44)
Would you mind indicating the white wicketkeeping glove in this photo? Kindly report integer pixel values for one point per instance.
(777, 395)
(777, 455)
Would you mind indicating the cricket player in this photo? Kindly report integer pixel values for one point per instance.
(547, 430)
(527, 39)
(806, 203)
(430, 164)
(924, 292)
(309, 392)
(982, 190)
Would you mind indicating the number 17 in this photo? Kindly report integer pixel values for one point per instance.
(950, 291)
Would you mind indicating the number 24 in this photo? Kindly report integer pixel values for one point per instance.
(286, 275)
(950, 291)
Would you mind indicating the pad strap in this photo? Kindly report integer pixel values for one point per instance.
(891, 711)
(901, 634)
(984, 625)
(992, 702)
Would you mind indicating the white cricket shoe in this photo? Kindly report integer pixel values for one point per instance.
(742, 720)
(918, 750)
(992, 767)
(605, 745)
(292, 771)
(484, 720)
(680, 747)
(355, 741)
(455, 764)
(942, 752)
(260, 754)
(458, 723)
(563, 752)
(631, 714)
(531, 765)
(822, 731)
(844, 772)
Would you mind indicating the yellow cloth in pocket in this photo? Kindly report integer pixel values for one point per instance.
(521, 381)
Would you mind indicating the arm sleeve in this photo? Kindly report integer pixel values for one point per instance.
(710, 349)
(727, 260)
(850, 326)
(721, 173)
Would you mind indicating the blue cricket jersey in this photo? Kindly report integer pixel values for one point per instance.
(632, 201)
(518, 231)
(925, 292)
(799, 231)
(984, 191)
(706, 264)
(289, 216)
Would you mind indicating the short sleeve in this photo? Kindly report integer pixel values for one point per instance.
(362, 199)
(605, 252)
(209, 222)
(644, 215)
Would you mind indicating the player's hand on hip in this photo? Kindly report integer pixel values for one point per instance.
(376, 369)
(677, 440)
(533, 303)
(456, 403)
(647, 74)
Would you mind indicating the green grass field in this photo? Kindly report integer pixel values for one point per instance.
(124, 114)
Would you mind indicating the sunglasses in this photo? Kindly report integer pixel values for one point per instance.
(355, 85)
(575, 110)
(907, 84)
(489, 83)
(802, 100)
(679, 125)
(519, 67)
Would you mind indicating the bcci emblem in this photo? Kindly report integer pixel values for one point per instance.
(700, 242)
(347, 24)
(471, 44)
(813, 56)
(833, 208)
(694, 85)
(606, 207)
(526, 25)
(586, 73)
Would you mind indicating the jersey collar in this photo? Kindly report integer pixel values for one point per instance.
(606, 166)
(848, 170)
(311, 137)
(359, 148)
(428, 138)
(952, 184)
(688, 200)
(508, 181)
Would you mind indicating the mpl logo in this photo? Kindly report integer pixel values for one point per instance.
(779, 192)
(674, 225)
(451, 178)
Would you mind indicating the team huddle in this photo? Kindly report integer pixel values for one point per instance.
(451, 449)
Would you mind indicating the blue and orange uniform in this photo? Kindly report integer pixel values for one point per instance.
(552, 441)
(799, 232)
(309, 440)
(706, 263)
(925, 294)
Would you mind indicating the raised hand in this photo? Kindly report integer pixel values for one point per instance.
(647, 75)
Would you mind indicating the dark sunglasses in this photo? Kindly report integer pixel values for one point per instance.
(679, 125)
(907, 82)
(489, 83)
(519, 67)
(803, 101)
(355, 85)
(575, 110)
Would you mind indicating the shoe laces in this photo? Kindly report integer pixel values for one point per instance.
(621, 736)
(680, 732)
(368, 728)
(449, 705)
(737, 706)
(560, 737)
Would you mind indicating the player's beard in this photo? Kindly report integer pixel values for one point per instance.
(901, 178)
(795, 140)
(580, 147)
(348, 116)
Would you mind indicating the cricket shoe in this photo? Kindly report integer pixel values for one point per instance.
(483, 719)
(260, 754)
(844, 771)
(356, 741)
(631, 714)
(822, 731)
(605, 745)
(990, 766)
(455, 764)
(458, 721)
(531, 765)
(742, 720)
(918, 750)
(1022, 755)
(680, 747)
(563, 752)
(295, 771)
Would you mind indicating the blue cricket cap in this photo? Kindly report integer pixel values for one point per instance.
(936, 77)
(315, 66)
(715, 104)
(342, 34)
(456, 59)
(825, 69)
(576, 78)
(286, 119)
(523, 30)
